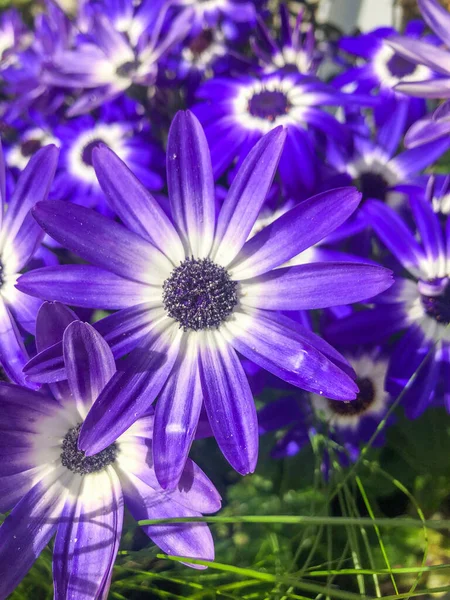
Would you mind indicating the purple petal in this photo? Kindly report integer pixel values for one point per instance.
(14, 487)
(2, 184)
(134, 205)
(13, 355)
(24, 309)
(131, 390)
(176, 415)
(102, 242)
(196, 491)
(28, 529)
(295, 231)
(437, 18)
(191, 183)
(47, 366)
(267, 340)
(33, 186)
(229, 403)
(433, 88)
(247, 194)
(421, 52)
(393, 232)
(88, 538)
(317, 285)
(281, 413)
(52, 320)
(89, 363)
(123, 329)
(18, 251)
(431, 235)
(368, 326)
(192, 540)
(410, 162)
(426, 130)
(83, 285)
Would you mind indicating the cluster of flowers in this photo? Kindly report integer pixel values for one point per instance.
(294, 183)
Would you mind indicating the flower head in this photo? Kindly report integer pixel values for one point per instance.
(195, 292)
(53, 488)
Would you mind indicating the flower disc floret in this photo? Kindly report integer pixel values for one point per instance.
(438, 307)
(76, 461)
(363, 401)
(199, 294)
(269, 104)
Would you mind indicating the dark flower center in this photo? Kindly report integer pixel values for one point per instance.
(199, 294)
(30, 147)
(86, 154)
(2, 280)
(268, 105)
(438, 307)
(76, 461)
(127, 68)
(201, 42)
(400, 67)
(362, 402)
(372, 185)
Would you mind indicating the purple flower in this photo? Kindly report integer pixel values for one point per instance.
(349, 424)
(20, 238)
(295, 52)
(115, 53)
(53, 488)
(376, 166)
(121, 128)
(418, 306)
(428, 55)
(194, 292)
(238, 112)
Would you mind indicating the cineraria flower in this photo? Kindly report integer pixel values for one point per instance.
(238, 112)
(383, 68)
(53, 488)
(294, 53)
(120, 128)
(376, 166)
(107, 60)
(426, 54)
(419, 306)
(20, 238)
(194, 292)
(437, 193)
(350, 423)
(30, 140)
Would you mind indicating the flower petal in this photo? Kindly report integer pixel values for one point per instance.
(437, 18)
(132, 389)
(177, 413)
(86, 286)
(229, 402)
(102, 242)
(191, 183)
(431, 235)
(88, 538)
(192, 540)
(33, 186)
(295, 231)
(89, 363)
(13, 355)
(318, 285)
(267, 340)
(246, 196)
(29, 527)
(393, 232)
(134, 205)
